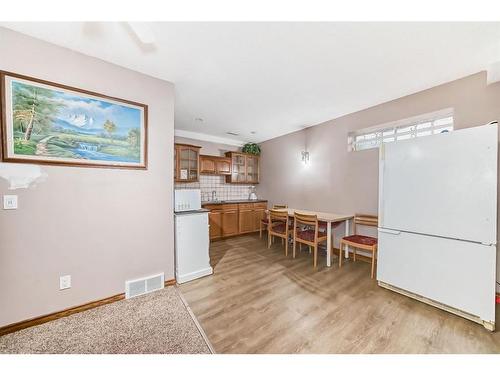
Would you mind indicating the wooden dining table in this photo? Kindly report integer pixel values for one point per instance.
(329, 218)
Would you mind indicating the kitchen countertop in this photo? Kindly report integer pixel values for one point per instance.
(234, 201)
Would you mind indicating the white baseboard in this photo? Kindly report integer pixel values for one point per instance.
(184, 278)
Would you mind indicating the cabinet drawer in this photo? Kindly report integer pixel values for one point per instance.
(245, 206)
(213, 207)
(261, 205)
(229, 207)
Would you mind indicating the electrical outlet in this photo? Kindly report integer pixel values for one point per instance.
(65, 282)
(10, 202)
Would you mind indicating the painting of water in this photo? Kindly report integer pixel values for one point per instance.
(44, 122)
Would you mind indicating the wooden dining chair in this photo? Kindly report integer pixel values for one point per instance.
(264, 222)
(323, 225)
(357, 241)
(278, 226)
(306, 231)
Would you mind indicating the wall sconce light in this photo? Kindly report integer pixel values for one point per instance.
(305, 157)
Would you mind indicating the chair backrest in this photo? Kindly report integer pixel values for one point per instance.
(366, 220)
(279, 206)
(278, 216)
(309, 220)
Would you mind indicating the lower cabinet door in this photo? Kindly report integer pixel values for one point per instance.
(215, 219)
(246, 221)
(229, 223)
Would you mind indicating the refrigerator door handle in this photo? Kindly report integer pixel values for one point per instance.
(389, 231)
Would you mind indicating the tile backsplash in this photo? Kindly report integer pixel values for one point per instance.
(218, 184)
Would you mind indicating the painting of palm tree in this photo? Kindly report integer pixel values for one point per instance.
(49, 123)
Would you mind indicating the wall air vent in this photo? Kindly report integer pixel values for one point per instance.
(134, 288)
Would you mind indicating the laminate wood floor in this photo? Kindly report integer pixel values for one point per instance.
(259, 301)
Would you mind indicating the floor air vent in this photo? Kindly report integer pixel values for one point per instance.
(134, 288)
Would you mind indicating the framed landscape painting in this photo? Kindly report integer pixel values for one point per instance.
(48, 123)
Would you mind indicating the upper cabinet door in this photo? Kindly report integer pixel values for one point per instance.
(207, 165)
(252, 169)
(187, 163)
(244, 168)
(238, 173)
(223, 166)
(215, 165)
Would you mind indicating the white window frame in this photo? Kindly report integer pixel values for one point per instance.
(412, 127)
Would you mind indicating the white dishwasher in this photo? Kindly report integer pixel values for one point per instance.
(192, 259)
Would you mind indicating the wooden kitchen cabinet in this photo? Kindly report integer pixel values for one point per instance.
(252, 169)
(223, 166)
(246, 216)
(244, 168)
(259, 214)
(230, 222)
(215, 221)
(207, 165)
(186, 163)
(216, 165)
(232, 219)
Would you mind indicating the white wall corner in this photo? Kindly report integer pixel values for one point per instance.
(208, 138)
(493, 73)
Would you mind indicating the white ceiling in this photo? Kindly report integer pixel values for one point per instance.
(276, 78)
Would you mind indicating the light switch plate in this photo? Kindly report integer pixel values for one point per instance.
(65, 282)
(10, 202)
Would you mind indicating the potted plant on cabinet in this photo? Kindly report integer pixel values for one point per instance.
(251, 148)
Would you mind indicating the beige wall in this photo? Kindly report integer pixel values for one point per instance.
(341, 181)
(102, 226)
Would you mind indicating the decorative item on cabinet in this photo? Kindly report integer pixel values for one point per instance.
(186, 163)
(251, 148)
(244, 168)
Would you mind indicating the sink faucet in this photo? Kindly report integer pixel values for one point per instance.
(214, 195)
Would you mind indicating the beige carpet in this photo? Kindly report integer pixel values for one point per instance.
(158, 322)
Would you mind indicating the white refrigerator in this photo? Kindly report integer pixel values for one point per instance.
(438, 220)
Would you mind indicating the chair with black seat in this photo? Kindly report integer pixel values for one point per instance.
(264, 222)
(357, 241)
(278, 226)
(306, 231)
